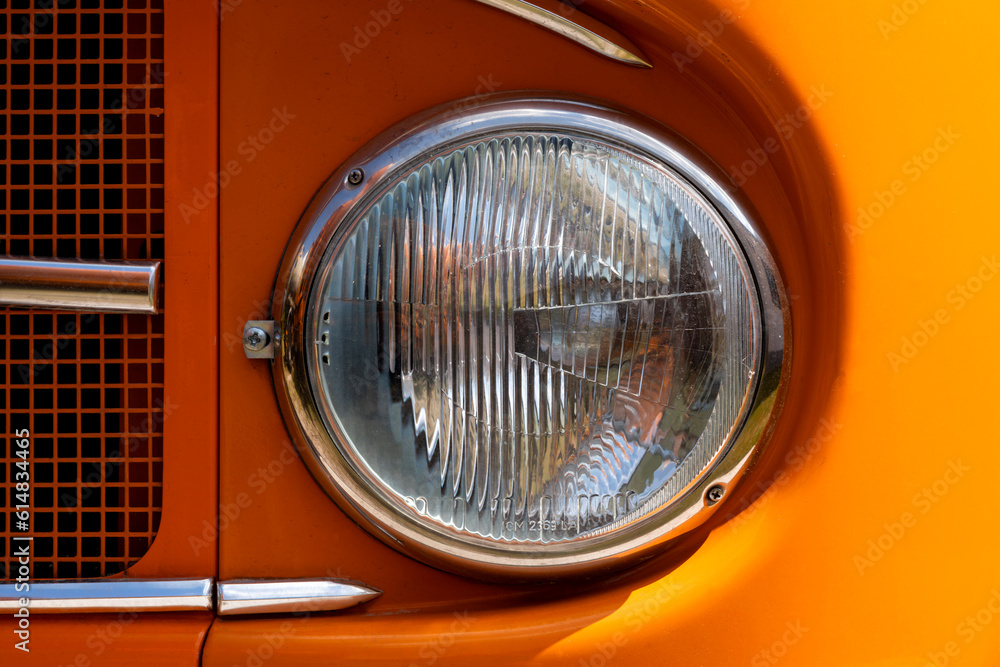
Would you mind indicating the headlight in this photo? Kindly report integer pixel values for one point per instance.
(527, 338)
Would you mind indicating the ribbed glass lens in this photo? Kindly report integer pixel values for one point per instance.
(532, 338)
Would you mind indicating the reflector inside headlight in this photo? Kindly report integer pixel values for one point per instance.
(526, 344)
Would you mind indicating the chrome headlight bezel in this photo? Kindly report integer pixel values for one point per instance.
(402, 145)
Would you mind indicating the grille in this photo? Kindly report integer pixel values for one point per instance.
(81, 145)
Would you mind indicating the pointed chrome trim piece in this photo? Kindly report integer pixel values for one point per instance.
(626, 52)
(69, 284)
(107, 595)
(290, 595)
(227, 598)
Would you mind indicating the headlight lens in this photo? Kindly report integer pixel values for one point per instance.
(523, 343)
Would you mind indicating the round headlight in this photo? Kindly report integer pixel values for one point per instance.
(527, 337)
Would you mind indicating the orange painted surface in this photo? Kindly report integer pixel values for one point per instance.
(190, 423)
(876, 540)
(124, 639)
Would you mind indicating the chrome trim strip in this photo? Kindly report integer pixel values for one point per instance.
(624, 51)
(109, 595)
(63, 284)
(290, 595)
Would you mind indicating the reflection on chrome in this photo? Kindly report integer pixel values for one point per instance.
(289, 596)
(109, 595)
(619, 48)
(534, 337)
(71, 284)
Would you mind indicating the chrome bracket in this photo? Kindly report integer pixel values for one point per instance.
(258, 339)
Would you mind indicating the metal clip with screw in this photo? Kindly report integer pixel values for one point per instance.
(258, 339)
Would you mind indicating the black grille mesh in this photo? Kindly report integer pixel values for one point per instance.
(81, 170)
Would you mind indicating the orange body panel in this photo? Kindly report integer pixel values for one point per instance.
(123, 639)
(875, 541)
(190, 462)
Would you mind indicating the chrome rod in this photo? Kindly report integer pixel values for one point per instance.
(63, 284)
(620, 48)
(291, 595)
(107, 595)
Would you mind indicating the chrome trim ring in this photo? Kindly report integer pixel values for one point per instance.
(465, 121)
